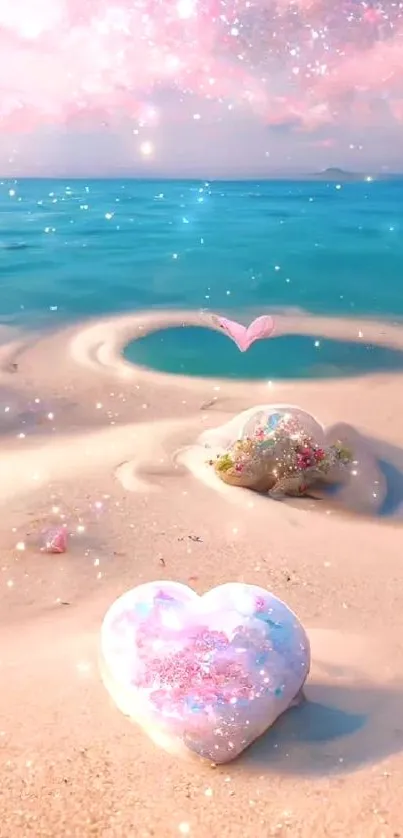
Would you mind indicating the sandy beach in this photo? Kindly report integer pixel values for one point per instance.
(116, 452)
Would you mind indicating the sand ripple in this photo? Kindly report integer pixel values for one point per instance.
(88, 358)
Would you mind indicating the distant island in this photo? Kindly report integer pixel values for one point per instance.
(336, 174)
(340, 174)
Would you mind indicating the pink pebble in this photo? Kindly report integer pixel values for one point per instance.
(54, 540)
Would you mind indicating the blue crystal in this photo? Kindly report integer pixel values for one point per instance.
(143, 608)
(193, 705)
(274, 420)
(261, 659)
(266, 443)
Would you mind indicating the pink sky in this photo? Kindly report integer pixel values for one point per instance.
(203, 86)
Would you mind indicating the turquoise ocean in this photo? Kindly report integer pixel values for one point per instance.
(72, 250)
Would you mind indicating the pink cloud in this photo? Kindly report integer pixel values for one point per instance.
(396, 106)
(378, 69)
(326, 143)
(60, 58)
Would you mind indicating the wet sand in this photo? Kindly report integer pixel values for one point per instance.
(115, 452)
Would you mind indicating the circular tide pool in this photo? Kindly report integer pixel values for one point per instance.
(196, 351)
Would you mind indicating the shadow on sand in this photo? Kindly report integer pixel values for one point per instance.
(377, 462)
(338, 729)
(387, 459)
(390, 459)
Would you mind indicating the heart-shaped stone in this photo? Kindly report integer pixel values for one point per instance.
(205, 674)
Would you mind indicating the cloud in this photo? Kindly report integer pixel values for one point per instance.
(378, 69)
(396, 106)
(327, 142)
(61, 59)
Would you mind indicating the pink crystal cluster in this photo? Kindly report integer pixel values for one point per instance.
(212, 672)
(281, 450)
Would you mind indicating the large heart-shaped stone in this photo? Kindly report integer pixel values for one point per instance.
(208, 674)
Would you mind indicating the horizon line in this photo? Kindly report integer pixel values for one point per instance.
(333, 173)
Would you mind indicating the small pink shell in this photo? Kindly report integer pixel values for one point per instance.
(54, 540)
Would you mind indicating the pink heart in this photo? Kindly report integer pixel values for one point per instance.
(244, 336)
(205, 674)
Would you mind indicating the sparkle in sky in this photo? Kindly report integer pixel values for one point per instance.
(317, 70)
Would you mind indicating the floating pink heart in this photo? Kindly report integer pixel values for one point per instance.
(206, 674)
(260, 328)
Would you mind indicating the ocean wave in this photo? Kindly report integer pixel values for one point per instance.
(15, 246)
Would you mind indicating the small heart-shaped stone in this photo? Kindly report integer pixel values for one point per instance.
(205, 674)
